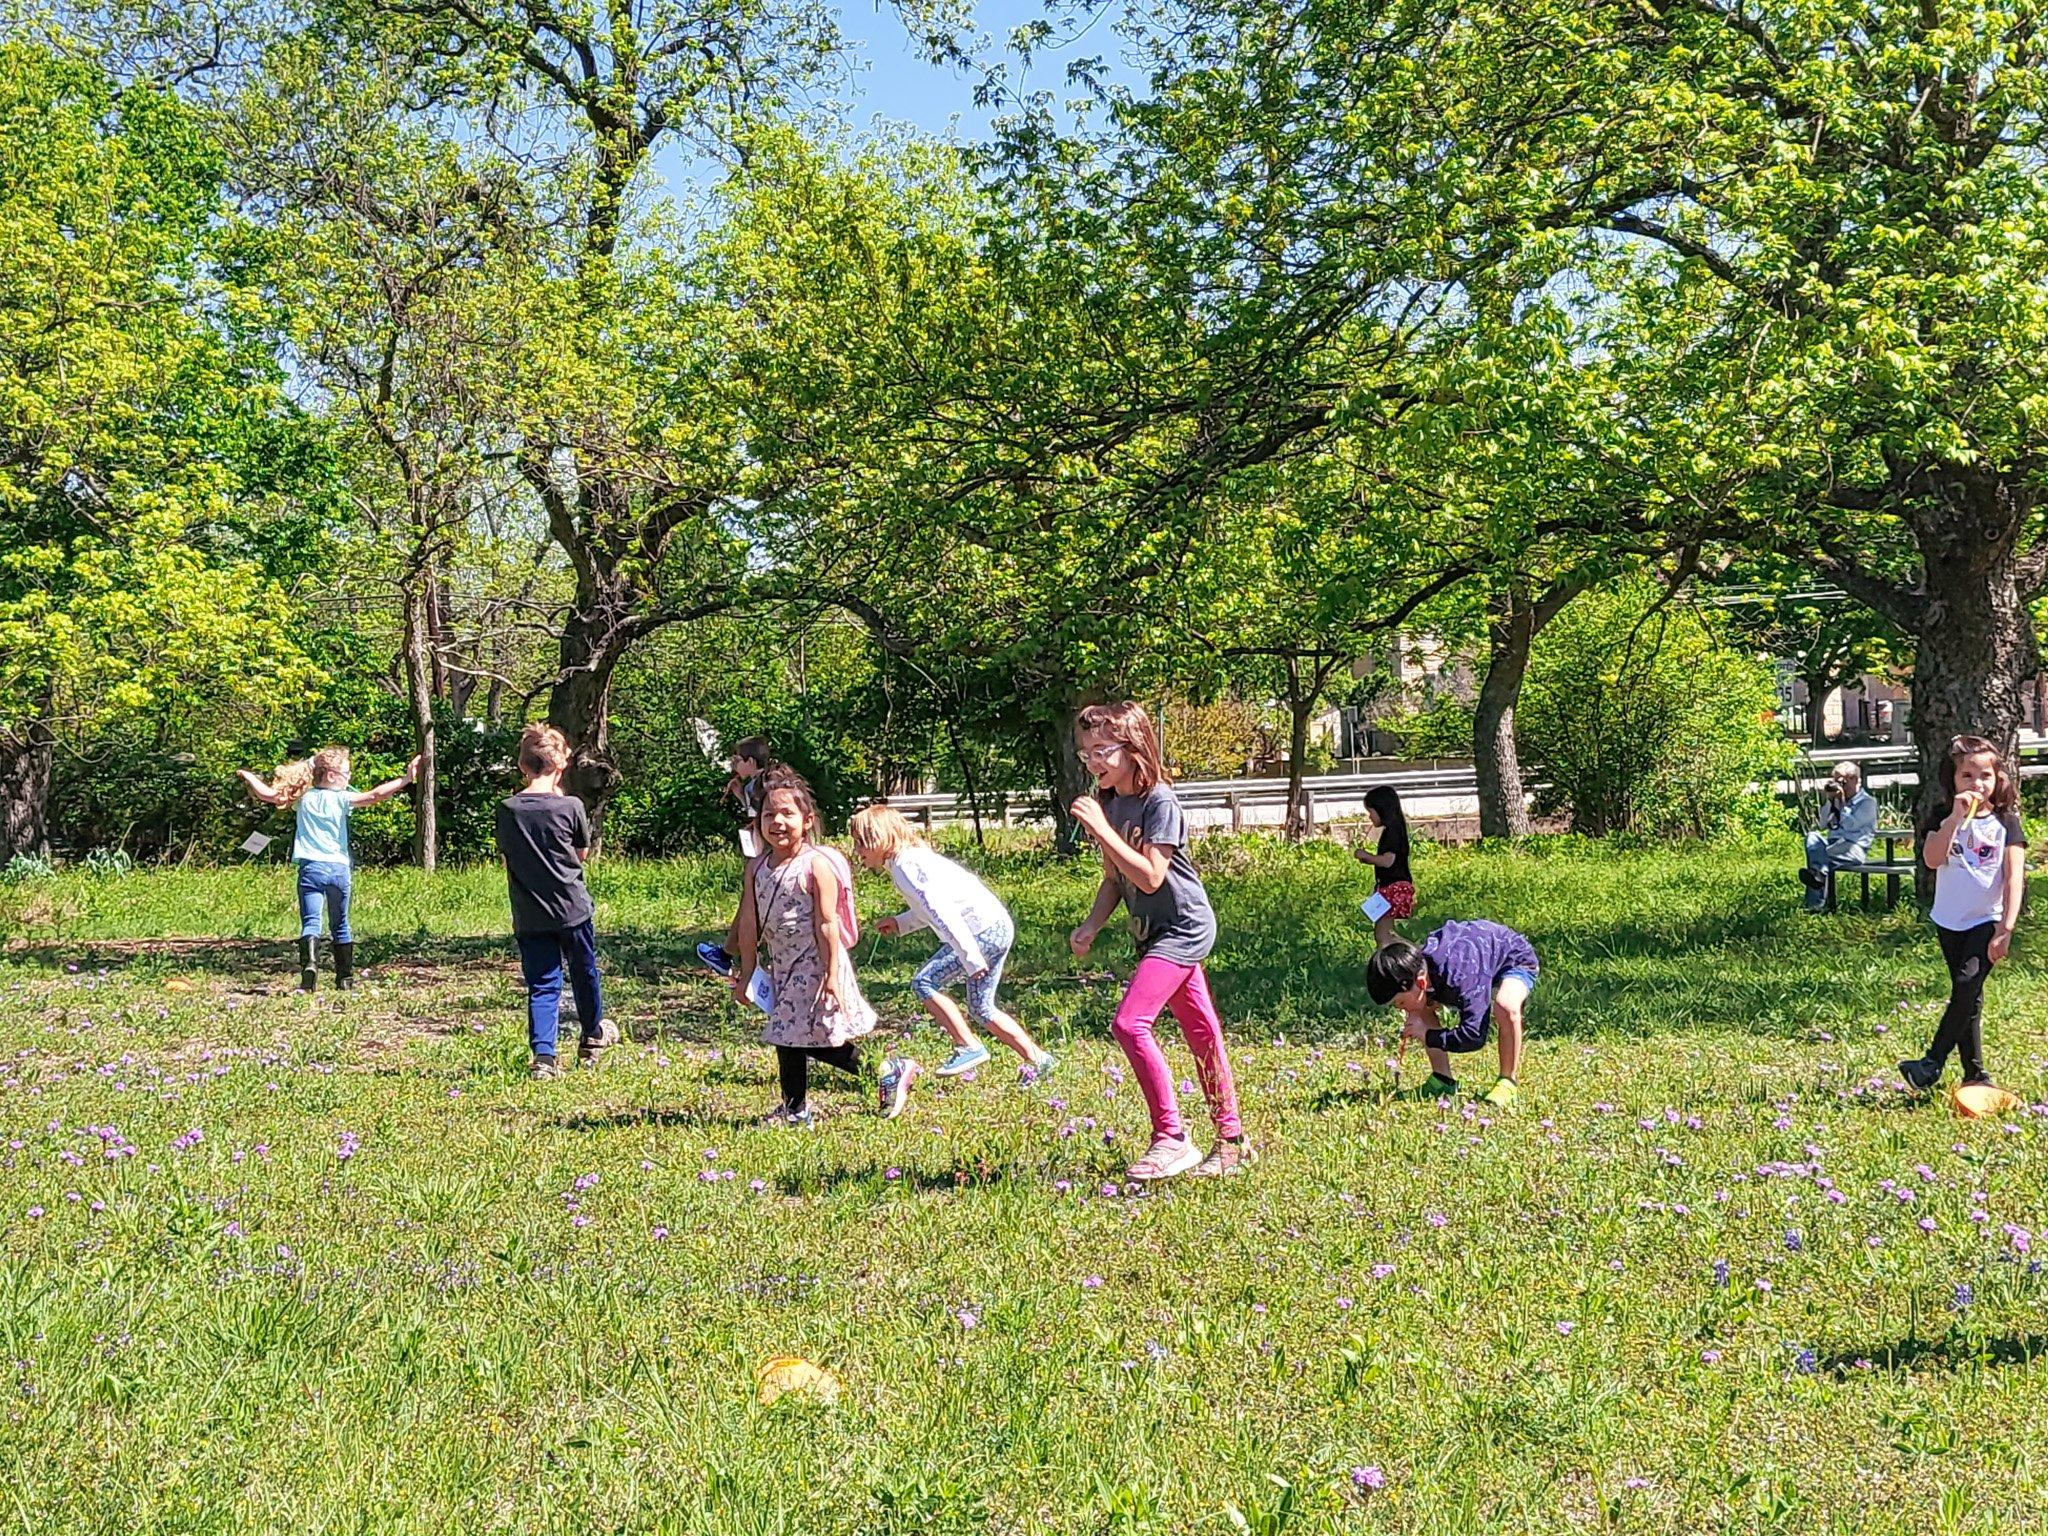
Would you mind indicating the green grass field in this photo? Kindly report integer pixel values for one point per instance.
(272, 1263)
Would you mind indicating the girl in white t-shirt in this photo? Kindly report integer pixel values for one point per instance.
(973, 928)
(1978, 856)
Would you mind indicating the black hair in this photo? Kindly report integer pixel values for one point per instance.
(1385, 803)
(1392, 971)
(755, 749)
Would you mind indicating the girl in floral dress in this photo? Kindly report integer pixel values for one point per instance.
(791, 909)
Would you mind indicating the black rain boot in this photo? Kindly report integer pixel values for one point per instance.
(345, 965)
(309, 964)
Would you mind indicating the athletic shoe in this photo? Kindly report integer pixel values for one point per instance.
(1502, 1095)
(545, 1069)
(590, 1047)
(1919, 1072)
(1038, 1071)
(716, 957)
(1226, 1158)
(1166, 1158)
(1810, 878)
(1432, 1087)
(965, 1058)
(892, 1092)
(782, 1116)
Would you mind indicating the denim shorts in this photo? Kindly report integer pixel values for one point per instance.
(946, 968)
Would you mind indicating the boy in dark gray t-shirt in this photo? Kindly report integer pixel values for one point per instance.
(544, 837)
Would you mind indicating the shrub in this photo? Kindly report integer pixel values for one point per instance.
(1640, 716)
(1441, 728)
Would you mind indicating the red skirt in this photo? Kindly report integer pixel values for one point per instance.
(1400, 898)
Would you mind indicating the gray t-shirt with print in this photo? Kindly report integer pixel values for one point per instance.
(1176, 921)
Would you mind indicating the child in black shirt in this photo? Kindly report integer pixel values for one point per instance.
(544, 837)
(1391, 883)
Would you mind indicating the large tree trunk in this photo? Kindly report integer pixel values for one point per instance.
(419, 689)
(1496, 761)
(1514, 621)
(1974, 646)
(594, 636)
(27, 754)
(1974, 654)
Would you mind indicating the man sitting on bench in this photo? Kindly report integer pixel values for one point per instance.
(1848, 822)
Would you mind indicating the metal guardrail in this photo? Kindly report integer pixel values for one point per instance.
(1212, 802)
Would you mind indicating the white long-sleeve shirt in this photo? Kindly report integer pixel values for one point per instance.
(946, 898)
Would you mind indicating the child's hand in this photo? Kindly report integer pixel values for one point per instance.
(736, 983)
(887, 928)
(1088, 814)
(1363, 855)
(2001, 941)
(1081, 940)
(1416, 1028)
(1966, 805)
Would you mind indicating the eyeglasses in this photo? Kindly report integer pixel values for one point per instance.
(1100, 753)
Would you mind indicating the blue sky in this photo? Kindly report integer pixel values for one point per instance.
(892, 81)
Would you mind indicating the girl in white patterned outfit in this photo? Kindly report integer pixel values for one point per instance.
(974, 931)
(791, 904)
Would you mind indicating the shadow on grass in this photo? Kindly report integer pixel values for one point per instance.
(640, 953)
(1634, 949)
(1955, 1352)
(655, 1116)
(963, 1178)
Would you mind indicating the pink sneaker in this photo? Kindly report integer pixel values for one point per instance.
(1229, 1157)
(1166, 1158)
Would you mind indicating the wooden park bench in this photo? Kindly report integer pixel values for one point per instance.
(1891, 868)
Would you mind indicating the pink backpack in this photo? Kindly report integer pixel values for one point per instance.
(849, 924)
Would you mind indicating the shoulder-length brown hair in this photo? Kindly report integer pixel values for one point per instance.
(2005, 789)
(1129, 726)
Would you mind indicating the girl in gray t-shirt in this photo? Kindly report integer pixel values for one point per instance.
(1138, 822)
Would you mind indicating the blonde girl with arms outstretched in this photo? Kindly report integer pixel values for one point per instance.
(317, 789)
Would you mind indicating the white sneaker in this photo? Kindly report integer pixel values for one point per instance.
(892, 1090)
(1166, 1158)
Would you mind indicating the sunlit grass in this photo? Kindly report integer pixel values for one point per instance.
(1683, 1287)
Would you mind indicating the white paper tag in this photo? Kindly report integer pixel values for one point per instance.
(750, 844)
(761, 991)
(255, 842)
(1375, 906)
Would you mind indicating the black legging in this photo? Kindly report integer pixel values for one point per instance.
(793, 1064)
(1962, 1022)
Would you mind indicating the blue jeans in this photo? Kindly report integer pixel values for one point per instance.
(323, 882)
(946, 967)
(1824, 856)
(542, 958)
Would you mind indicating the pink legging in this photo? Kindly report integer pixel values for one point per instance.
(1185, 990)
